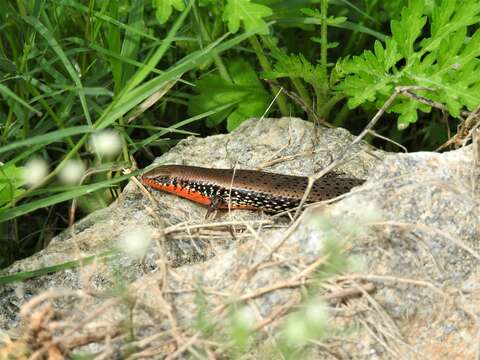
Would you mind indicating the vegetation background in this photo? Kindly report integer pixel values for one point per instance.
(88, 88)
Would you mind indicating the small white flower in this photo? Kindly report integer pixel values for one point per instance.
(316, 313)
(244, 317)
(106, 142)
(35, 171)
(135, 242)
(296, 331)
(72, 172)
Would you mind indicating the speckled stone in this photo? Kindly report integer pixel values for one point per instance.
(252, 144)
(413, 225)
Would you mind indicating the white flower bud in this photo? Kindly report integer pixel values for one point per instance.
(106, 142)
(35, 171)
(72, 172)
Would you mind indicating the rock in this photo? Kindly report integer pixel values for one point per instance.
(423, 251)
(413, 227)
(253, 144)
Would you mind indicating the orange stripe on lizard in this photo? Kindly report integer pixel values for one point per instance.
(244, 189)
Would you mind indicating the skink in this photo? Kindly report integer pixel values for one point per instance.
(243, 189)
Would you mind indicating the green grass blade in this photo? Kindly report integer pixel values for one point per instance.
(6, 92)
(131, 41)
(189, 62)
(48, 137)
(125, 59)
(25, 154)
(25, 275)
(23, 209)
(142, 73)
(88, 12)
(185, 122)
(45, 32)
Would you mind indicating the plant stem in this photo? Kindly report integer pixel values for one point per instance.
(302, 91)
(321, 91)
(324, 37)
(222, 69)
(281, 98)
(8, 122)
(329, 104)
(341, 116)
(297, 83)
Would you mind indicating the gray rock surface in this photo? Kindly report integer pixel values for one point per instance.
(422, 253)
(411, 230)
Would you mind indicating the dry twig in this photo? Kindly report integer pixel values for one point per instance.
(343, 154)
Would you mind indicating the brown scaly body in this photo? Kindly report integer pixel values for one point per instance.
(246, 189)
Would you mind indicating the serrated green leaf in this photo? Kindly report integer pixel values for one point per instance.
(407, 111)
(406, 30)
(295, 66)
(250, 14)
(246, 96)
(453, 105)
(471, 49)
(164, 8)
(441, 16)
(446, 62)
(391, 55)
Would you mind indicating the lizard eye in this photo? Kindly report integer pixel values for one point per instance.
(163, 180)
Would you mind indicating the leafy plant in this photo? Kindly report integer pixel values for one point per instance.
(300, 70)
(446, 63)
(140, 68)
(164, 8)
(244, 96)
(234, 12)
(68, 71)
(11, 181)
(249, 13)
